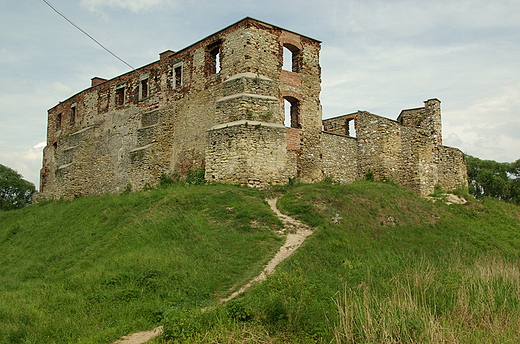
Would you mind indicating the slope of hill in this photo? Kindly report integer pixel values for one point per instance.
(93, 269)
(383, 266)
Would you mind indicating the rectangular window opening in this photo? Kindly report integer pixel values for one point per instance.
(143, 89)
(214, 58)
(177, 75)
(351, 128)
(120, 96)
(217, 63)
(72, 115)
(58, 121)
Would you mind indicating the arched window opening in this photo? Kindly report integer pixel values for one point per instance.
(292, 112)
(291, 58)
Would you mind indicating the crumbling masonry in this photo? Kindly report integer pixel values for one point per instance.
(219, 105)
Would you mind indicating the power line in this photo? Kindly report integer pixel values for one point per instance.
(89, 36)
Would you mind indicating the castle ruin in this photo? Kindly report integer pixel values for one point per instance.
(220, 105)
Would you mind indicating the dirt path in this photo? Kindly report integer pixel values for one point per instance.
(140, 337)
(296, 233)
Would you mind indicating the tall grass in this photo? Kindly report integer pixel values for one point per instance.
(407, 270)
(484, 308)
(385, 266)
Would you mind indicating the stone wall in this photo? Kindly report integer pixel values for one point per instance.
(339, 157)
(339, 125)
(452, 168)
(379, 146)
(153, 120)
(248, 153)
(219, 104)
(408, 151)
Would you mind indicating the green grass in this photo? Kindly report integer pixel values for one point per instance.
(93, 269)
(375, 246)
(383, 266)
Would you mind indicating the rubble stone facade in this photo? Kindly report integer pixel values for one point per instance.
(219, 105)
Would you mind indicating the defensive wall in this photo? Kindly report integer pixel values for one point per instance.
(219, 104)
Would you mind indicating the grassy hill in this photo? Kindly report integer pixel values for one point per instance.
(383, 266)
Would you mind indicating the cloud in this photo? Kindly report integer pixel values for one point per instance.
(40, 145)
(488, 127)
(26, 161)
(61, 87)
(132, 5)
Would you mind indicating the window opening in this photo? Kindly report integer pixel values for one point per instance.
(351, 127)
(291, 58)
(287, 113)
(287, 59)
(58, 121)
(291, 113)
(177, 75)
(120, 96)
(217, 62)
(72, 114)
(214, 54)
(143, 90)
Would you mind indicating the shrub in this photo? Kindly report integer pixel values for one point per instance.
(196, 177)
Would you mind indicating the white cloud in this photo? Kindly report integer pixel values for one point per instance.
(61, 87)
(26, 161)
(488, 127)
(132, 5)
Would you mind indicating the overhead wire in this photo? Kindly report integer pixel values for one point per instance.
(89, 36)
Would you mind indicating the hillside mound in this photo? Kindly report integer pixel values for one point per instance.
(383, 266)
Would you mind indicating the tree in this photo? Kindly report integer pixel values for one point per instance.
(488, 178)
(15, 192)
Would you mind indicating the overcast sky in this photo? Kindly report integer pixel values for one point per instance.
(379, 56)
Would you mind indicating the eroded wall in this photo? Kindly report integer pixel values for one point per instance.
(339, 157)
(249, 153)
(219, 104)
(408, 151)
(127, 131)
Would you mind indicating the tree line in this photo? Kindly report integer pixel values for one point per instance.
(488, 178)
(15, 192)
